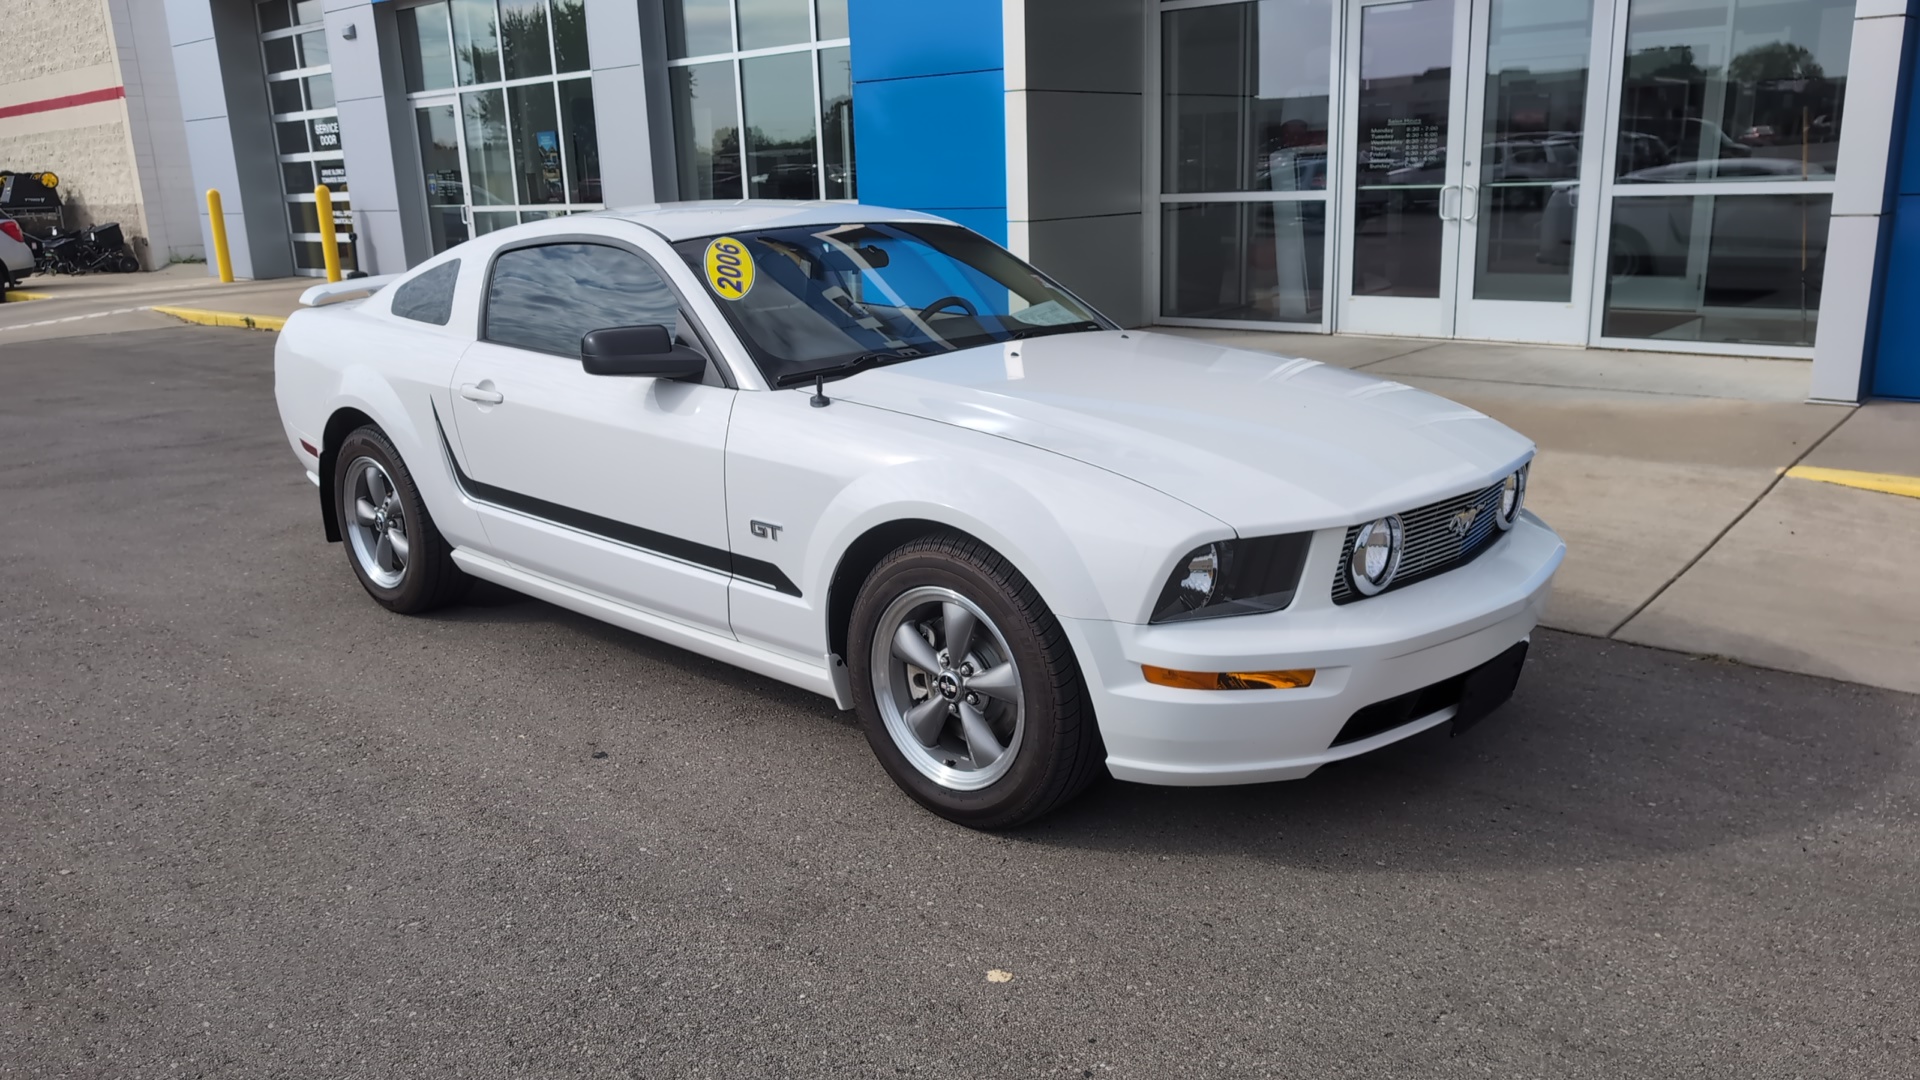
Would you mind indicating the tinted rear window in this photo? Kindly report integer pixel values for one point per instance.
(429, 297)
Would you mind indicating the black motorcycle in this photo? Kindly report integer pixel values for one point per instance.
(93, 250)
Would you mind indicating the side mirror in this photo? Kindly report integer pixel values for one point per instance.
(639, 351)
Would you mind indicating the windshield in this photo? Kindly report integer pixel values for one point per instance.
(824, 299)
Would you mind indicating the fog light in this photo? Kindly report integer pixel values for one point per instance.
(1228, 680)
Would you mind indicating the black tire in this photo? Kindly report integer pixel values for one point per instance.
(429, 578)
(1060, 751)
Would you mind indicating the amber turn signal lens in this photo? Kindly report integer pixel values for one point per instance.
(1228, 680)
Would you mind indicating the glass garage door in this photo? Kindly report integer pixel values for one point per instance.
(306, 128)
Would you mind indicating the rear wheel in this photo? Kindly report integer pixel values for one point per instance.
(967, 688)
(393, 546)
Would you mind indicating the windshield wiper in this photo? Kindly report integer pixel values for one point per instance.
(854, 366)
(1026, 332)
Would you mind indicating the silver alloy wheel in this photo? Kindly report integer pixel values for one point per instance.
(948, 689)
(377, 523)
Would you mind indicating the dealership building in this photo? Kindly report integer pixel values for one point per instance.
(1691, 176)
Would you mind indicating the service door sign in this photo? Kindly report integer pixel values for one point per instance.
(729, 268)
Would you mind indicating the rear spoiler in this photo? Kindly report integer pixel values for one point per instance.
(332, 291)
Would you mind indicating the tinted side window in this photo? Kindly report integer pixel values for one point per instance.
(429, 297)
(547, 298)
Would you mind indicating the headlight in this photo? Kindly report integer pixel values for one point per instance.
(1513, 495)
(1233, 577)
(1376, 554)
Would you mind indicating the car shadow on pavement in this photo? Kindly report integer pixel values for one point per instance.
(1607, 752)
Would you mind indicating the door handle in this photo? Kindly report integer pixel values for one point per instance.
(1444, 216)
(484, 394)
(1469, 203)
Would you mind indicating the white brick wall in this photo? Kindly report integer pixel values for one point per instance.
(104, 151)
(46, 37)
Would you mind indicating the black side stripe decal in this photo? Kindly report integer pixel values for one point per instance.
(754, 571)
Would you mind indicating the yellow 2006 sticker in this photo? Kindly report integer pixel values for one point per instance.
(729, 268)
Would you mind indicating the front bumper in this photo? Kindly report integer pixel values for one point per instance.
(1363, 653)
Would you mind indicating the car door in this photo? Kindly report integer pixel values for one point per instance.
(612, 484)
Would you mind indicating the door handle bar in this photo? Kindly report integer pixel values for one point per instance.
(484, 397)
(1469, 203)
(1444, 216)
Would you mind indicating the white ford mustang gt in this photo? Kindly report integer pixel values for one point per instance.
(870, 453)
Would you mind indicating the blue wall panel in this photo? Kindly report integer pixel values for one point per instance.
(929, 109)
(1896, 354)
(904, 39)
(1896, 370)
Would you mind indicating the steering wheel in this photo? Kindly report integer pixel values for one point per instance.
(944, 302)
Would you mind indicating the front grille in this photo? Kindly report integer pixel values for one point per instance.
(1432, 547)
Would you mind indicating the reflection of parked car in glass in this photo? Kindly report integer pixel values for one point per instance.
(1651, 235)
(1686, 138)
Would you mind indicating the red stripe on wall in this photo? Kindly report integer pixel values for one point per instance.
(65, 101)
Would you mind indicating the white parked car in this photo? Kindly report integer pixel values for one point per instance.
(872, 454)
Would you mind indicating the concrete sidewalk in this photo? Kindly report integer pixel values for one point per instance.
(106, 303)
(1665, 472)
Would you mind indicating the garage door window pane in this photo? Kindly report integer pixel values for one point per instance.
(284, 96)
(782, 156)
(706, 129)
(1254, 261)
(1756, 87)
(282, 55)
(1740, 269)
(275, 15)
(297, 177)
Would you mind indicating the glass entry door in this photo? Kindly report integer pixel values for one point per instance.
(1462, 209)
(441, 157)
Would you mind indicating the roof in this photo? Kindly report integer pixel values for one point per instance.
(688, 220)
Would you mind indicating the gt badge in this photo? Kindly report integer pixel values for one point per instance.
(765, 530)
(730, 269)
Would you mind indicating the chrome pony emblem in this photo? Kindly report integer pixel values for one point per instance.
(1462, 521)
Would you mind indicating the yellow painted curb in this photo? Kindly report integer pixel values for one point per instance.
(16, 295)
(1890, 483)
(225, 318)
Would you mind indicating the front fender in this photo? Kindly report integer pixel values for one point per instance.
(1094, 544)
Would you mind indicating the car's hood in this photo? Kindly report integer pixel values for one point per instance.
(1258, 441)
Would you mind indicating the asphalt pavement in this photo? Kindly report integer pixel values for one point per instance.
(255, 826)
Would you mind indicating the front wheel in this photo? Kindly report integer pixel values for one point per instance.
(393, 546)
(967, 688)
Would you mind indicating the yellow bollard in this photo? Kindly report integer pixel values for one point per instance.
(329, 240)
(217, 220)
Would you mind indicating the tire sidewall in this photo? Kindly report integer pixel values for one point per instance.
(1008, 798)
(370, 443)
